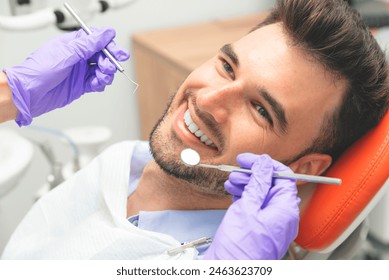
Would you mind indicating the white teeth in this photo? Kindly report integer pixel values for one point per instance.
(199, 133)
(195, 129)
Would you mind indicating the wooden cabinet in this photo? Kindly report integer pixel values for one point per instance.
(164, 58)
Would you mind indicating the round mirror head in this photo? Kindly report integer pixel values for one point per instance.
(190, 157)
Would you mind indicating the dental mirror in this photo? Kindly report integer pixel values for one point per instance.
(192, 158)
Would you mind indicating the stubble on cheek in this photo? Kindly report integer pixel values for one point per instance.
(164, 152)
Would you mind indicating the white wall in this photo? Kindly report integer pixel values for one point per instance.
(116, 107)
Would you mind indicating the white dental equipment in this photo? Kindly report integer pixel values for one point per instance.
(192, 158)
(183, 247)
(35, 18)
(16, 154)
(105, 51)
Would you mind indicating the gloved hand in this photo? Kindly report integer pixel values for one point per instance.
(263, 219)
(61, 71)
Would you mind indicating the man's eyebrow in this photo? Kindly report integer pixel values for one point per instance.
(228, 51)
(277, 109)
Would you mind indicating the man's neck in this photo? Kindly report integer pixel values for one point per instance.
(158, 191)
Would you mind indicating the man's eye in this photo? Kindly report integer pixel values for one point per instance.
(227, 67)
(262, 111)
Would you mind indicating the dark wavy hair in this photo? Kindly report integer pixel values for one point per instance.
(334, 34)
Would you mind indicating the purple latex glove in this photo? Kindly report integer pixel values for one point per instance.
(264, 217)
(61, 71)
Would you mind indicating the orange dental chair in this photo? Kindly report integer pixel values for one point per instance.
(334, 219)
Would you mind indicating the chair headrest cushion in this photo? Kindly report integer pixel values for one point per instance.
(363, 168)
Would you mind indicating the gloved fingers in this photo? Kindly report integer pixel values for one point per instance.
(86, 45)
(239, 178)
(235, 190)
(246, 160)
(260, 180)
(282, 226)
(283, 194)
(105, 65)
(282, 184)
(105, 79)
(95, 85)
(236, 183)
(279, 167)
(284, 209)
(249, 232)
(281, 214)
(66, 38)
(118, 52)
(283, 190)
(97, 81)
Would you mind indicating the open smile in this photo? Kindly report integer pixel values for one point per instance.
(194, 129)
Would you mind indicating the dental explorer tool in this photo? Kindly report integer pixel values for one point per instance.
(192, 158)
(183, 247)
(105, 51)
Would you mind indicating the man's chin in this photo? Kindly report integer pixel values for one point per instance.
(205, 180)
(163, 150)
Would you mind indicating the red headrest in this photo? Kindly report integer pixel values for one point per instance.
(363, 168)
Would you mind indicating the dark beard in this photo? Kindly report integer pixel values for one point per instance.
(207, 180)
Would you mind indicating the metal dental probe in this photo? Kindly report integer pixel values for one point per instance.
(105, 51)
(192, 158)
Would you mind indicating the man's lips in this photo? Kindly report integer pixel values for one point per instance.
(194, 129)
(190, 134)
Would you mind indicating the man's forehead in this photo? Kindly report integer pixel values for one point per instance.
(265, 40)
(274, 30)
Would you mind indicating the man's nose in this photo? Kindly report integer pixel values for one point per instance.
(220, 101)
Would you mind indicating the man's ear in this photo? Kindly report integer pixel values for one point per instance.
(311, 164)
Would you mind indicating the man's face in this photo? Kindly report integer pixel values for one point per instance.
(258, 95)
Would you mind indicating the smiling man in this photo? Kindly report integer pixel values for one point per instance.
(301, 87)
(252, 96)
